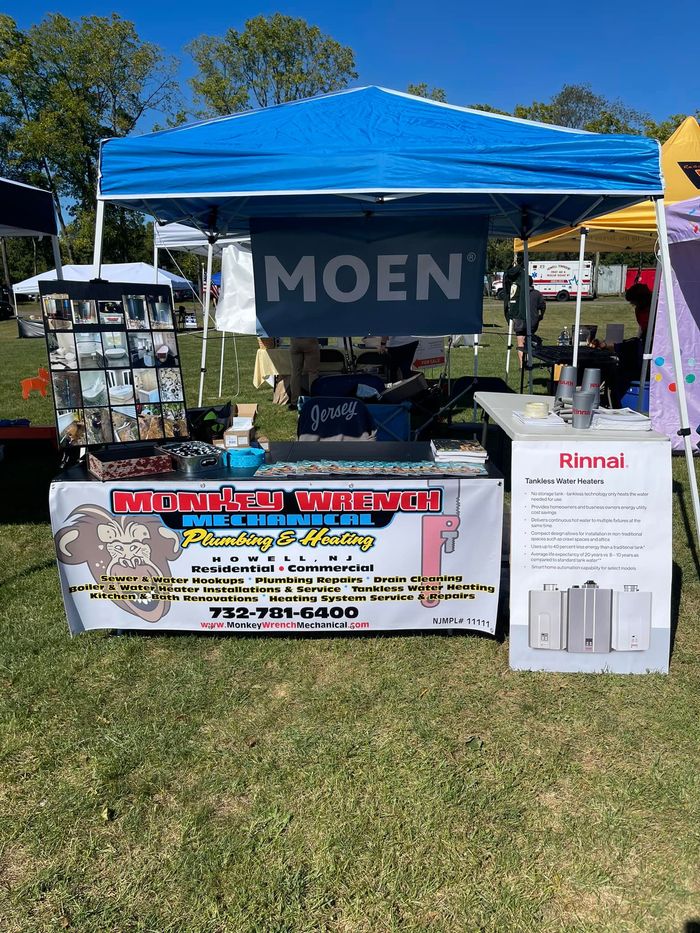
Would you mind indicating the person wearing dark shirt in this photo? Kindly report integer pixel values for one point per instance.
(537, 308)
(630, 352)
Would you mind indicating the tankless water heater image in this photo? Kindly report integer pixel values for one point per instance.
(631, 620)
(547, 624)
(589, 629)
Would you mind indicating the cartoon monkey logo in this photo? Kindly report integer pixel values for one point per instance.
(120, 546)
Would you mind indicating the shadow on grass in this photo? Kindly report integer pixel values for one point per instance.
(692, 926)
(413, 634)
(688, 524)
(676, 589)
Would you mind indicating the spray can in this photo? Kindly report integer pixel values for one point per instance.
(547, 618)
(589, 619)
(631, 619)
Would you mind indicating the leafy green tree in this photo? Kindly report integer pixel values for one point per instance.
(487, 108)
(273, 60)
(65, 85)
(578, 106)
(667, 127)
(432, 93)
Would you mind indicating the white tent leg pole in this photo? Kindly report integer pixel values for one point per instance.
(207, 299)
(684, 432)
(509, 347)
(476, 369)
(528, 323)
(57, 257)
(155, 254)
(97, 249)
(579, 287)
(221, 363)
(650, 331)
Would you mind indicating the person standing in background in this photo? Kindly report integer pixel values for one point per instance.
(306, 355)
(401, 351)
(537, 308)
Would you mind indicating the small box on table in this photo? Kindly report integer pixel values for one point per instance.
(241, 431)
(122, 463)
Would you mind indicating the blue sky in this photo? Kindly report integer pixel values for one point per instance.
(622, 49)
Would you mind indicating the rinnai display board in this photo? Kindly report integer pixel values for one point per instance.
(114, 363)
(591, 556)
(368, 275)
(297, 555)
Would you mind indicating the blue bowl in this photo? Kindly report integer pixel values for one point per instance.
(245, 461)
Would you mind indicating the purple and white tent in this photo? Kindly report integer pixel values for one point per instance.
(683, 223)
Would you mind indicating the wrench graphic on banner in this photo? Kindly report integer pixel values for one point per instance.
(438, 532)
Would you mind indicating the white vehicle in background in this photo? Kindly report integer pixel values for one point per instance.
(555, 279)
(559, 279)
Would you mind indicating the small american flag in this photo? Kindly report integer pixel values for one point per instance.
(214, 291)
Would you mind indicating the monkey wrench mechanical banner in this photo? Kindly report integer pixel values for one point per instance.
(294, 556)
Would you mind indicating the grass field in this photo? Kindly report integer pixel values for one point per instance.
(348, 785)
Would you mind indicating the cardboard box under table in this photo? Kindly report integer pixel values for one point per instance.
(309, 550)
(591, 545)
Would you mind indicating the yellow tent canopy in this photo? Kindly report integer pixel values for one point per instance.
(634, 228)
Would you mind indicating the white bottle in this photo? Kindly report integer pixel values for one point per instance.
(631, 620)
(547, 623)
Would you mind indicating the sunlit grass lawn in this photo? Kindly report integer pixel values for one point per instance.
(183, 783)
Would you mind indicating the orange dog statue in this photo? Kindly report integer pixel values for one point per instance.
(38, 383)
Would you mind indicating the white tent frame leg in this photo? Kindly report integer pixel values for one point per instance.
(99, 230)
(509, 347)
(221, 363)
(684, 431)
(579, 287)
(647, 355)
(207, 302)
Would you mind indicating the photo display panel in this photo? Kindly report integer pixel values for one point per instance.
(114, 363)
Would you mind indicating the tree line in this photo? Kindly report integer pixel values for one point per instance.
(65, 84)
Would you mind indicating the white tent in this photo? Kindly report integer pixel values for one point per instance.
(131, 272)
(189, 239)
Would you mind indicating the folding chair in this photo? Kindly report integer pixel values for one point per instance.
(336, 418)
(333, 360)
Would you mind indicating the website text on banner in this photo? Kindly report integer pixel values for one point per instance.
(369, 275)
(284, 556)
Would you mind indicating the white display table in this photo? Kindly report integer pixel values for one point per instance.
(587, 507)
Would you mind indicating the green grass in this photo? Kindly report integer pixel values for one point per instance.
(410, 783)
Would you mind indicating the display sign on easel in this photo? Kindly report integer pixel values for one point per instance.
(114, 363)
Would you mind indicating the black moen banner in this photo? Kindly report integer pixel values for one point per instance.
(369, 275)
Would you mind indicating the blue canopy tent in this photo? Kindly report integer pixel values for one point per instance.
(377, 151)
(404, 155)
(381, 152)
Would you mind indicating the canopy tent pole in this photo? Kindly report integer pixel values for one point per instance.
(155, 254)
(207, 300)
(579, 287)
(509, 346)
(57, 257)
(684, 431)
(528, 322)
(646, 356)
(221, 363)
(6, 272)
(99, 230)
